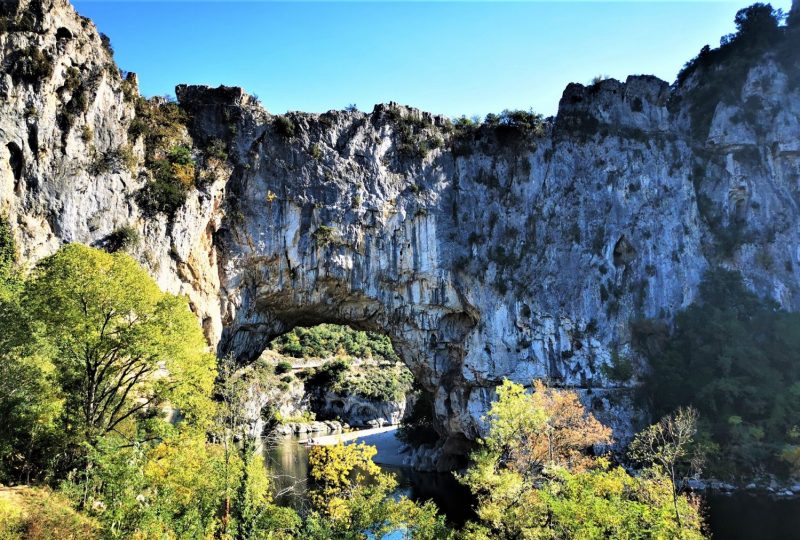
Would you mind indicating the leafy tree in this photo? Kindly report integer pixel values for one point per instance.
(668, 446)
(121, 347)
(547, 426)
(351, 499)
(30, 403)
(533, 477)
(733, 357)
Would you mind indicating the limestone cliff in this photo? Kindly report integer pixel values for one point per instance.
(515, 249)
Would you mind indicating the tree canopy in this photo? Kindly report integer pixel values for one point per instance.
(736, 359)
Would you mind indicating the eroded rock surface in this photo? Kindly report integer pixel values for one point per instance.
(489, 253)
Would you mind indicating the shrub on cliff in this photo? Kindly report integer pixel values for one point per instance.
(173, 176)
(286, 126)
(723, 70)
(31, 66)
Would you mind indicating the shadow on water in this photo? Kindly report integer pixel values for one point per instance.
(287, 462)
(453, 499)
(750, 516)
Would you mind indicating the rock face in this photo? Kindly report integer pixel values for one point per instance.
(488, 253)
(358, 411)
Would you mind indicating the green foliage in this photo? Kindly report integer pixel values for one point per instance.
(31, 66)
(323, 235)
(122, 158)
(217, 149)
(525, 122)
(72, 80)
(724, 69)
(122, 239)
(733, 357)
(8, 256)
(106, 42)
(327, 340)
(378, 383)
(414, 133)
(620, 369)
(162, 123)
(372, 378)
(173, 177)
(89, 337)
(532, 479)
(286, 126)
(315, 151)
(351, 499)
(283, 367)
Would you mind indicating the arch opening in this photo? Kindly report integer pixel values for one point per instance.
(322, 379)
(336, 374)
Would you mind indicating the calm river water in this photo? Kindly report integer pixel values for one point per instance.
(742, 516)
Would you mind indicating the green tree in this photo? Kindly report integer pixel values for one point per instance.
(352, 499)
(668, 446)
(30, 402)
(120, 346)
(534, 478)
(733, 357)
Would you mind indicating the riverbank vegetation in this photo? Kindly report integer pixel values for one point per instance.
(732, 356)
(108, 412)
(109, 397)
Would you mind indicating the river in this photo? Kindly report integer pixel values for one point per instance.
(741, 516)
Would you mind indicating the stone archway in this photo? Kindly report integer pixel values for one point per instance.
(285, 276)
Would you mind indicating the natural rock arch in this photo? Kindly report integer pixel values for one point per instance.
(386, 287)
(485, 253)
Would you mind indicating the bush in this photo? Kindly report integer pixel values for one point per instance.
(285, 126)
(377, 383)
(323, 235)
(122, 239)
(114, 160)
(31, 65)
(217, 149)
(173, 177)
(283, 367)
(620, 369)
(106, 42)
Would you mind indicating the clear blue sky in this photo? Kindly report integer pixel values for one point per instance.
(451, 58)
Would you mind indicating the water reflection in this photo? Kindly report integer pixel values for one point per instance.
(287, 462)
(749, 516)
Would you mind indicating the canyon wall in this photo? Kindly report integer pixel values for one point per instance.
(517, 249)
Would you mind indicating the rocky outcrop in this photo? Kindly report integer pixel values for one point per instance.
(358, 411)
(503, 251)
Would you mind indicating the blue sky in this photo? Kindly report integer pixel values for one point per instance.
(451, 58)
